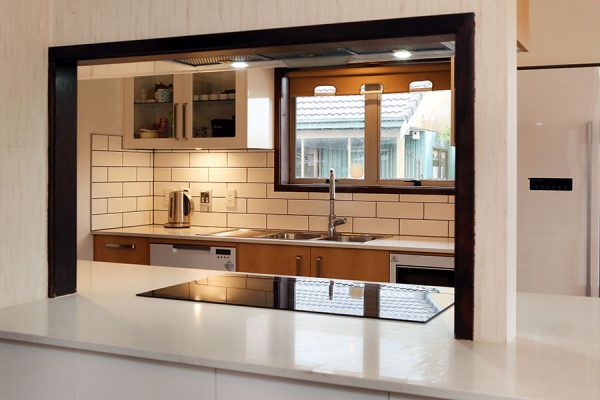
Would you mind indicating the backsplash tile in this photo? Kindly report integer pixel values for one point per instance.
(121, 184)
(129, 187)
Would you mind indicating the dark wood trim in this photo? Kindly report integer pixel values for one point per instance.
(62, 190)
(62, 177)
(464, 253)
(557, 66)
(299, 187)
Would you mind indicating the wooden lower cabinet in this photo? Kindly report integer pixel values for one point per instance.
(121, 249)
(352, 264)
(324, 262)
(274, 259)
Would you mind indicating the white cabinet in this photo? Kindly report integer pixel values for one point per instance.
(208, 110)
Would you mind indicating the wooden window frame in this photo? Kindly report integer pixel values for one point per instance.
(285, 133)
(62, 127)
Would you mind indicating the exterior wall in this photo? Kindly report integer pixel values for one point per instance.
(23, 149)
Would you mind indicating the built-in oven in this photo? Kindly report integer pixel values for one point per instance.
(416, 269)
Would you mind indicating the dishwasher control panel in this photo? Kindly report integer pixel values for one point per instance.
(193, 256)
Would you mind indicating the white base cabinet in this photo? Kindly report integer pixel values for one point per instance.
(30, 371)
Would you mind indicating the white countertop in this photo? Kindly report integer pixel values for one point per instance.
(556, 354)
(416, 244)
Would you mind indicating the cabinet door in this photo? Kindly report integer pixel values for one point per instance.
(151, 118)
(362, 265)
(121, 249)
(274, 259)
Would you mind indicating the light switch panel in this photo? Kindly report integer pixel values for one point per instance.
(230, 198)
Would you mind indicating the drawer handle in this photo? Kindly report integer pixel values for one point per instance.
(298, 265)
(119, 246)
(319, 262)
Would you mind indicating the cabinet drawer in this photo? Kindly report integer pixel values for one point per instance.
(121, 249)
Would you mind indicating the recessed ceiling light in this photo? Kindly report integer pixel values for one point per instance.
(402, 54)
(539, 123)
(239, 64)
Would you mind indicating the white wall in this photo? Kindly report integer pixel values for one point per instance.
(563, 32)
(99, 110)
(23, 149)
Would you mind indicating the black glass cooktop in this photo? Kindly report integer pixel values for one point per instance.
(317, 295)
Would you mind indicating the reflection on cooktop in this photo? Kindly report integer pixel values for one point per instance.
(318, 295)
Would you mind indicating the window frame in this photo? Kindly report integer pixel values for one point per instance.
(285, 159)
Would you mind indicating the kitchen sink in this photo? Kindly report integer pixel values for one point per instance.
(293, 235)
(351, 238)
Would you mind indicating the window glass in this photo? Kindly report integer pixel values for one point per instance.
(415, 136)
(330, 133)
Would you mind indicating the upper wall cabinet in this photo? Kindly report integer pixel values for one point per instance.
(208, 110)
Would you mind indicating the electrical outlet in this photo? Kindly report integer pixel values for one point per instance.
(205, 200)
(230, 198)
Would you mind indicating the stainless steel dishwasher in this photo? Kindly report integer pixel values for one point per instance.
(193, 256)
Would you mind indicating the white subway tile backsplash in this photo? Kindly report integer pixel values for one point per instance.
(107, 159)
(160, 217)
(227, 174)
(439, 211)
(172, 160)
(99, 174)
(423, 227)
(217, 189)
(247, 159)
(399, 210)
(249, 190)
(267, 206)
(424, 198)
(189, 174)
(325, 196)
(271, 193)
(308, 207)
(375, 197)
(106, 221)
(137, 159)
(122, 174)
(256, 221)
(122, 204)
(162, 174)
(99, 206)
(144, 203)
(319, 224)
(99, 142)
(375, 225)
(209, 219)
(355, 208)
(137, 189)
(137, 218)
(103, 190)
(128, 189)
(115, 143)
(295, 222)
(145, 174)
(213, 160)
(264, 175)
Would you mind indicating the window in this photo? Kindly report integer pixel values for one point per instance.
(375, 126)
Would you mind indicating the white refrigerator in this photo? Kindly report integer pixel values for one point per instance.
(558, 132)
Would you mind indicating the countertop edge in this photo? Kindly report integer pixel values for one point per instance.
(307, 375)
(374, 245)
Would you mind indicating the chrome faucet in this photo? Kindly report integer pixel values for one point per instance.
(333, 220)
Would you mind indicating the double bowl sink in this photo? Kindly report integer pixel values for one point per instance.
(295, 235)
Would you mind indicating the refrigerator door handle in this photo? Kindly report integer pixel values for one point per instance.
(593, 208)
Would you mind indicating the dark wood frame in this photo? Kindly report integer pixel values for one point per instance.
(62, 121)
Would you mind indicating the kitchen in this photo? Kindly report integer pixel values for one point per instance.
(234, 188)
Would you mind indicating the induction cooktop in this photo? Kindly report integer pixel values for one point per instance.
(317, 295)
